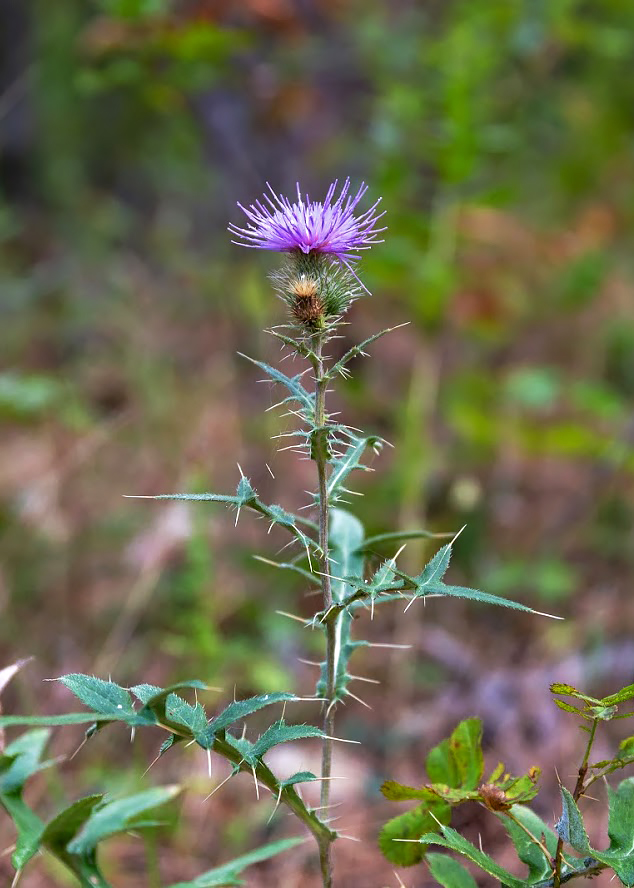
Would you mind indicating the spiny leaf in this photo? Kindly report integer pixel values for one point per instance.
(183, 714)
(104, 697)
(247, 497)
(435, 569)
(487, 598)
(570, 825)
(448, 872)
(280, 732)
(151, 695)
(228, 873)
(118, 816)
(398, 535)
(411, 825)
(455, 842)
(288, 565)
(298, 393)
(299, 777)
(350, 460)
(154, 709)
(239, 710)
(357, 350)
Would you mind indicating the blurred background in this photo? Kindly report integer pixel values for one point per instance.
(501, 139)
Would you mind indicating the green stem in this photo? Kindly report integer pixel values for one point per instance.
(577, 793)
(320, 455)
(286, 794)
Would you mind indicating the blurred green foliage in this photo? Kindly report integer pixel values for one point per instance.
(499, 136)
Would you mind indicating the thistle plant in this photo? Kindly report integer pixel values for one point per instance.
(321, 244)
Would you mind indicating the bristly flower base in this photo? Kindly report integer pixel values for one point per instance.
(316, 290)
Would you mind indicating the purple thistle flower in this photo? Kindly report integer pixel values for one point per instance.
(313, 227)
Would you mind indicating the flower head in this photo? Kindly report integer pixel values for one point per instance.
(330, 228)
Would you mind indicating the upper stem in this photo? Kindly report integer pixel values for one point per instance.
(578, 790)
(320, 453)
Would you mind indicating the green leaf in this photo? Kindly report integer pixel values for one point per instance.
(465, 744)
(568, 707)
(430, 583)
(28, 825)
(570, 825)
(350, 460)
(118, 816)
(448, 872)
(435, 569)
(298, 393)
(455, 842)
(626, 693)
(228, 873)
(346, 559)
(181, 713)
(539, 867)
(288, 565)
(147, 693)
(346, 542)
(104, 697)
(62, 828)
(620, 854)
(357, 350)
(398, 792)
(568, 691)
(70, 718)
(22, 758)
(441, 765)
(412, 825)
(520, 789)
(487, 598)
(280, 732)
(626, 748)
(398, 535)
(299, 777)
(237, 711)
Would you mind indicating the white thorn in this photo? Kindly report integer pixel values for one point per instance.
(222, 783)
(358, 699)
(385, 644)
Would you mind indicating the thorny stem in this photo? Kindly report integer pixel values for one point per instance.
(577, 793)
(286, 794)
(320, 456)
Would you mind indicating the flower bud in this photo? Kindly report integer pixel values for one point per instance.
(305, 301)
